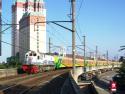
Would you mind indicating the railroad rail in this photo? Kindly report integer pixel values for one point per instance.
(25, 85)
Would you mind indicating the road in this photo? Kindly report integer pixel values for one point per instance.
(102, 83)
(107, 77)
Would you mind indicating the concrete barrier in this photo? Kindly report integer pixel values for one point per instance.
(70, 86)
(89, 89)
(7, 72)
(62, 84)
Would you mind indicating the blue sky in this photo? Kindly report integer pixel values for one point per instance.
(102, 21)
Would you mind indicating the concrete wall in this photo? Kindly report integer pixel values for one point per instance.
(7, 72)
(70, 86)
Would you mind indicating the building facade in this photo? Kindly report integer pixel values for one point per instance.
(25, 12)
(32, 29)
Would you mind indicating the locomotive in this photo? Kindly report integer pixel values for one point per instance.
(36, 62)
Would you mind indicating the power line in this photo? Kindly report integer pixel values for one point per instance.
(59, 38)
(80, 8)
(15, 45)
(56, 30)
(90, 48)
(79, 27)
(70, 11)
(29, 36)
(78, 36)
(5, 29)
(5, 19)
(20, 32)
(99, 53)
(77, 20)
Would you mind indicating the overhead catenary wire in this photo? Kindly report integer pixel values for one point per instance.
(20, 32)
(88, 48)
(5, 19)
(15, 45)
(77, 15)
(93, 50)
(81, 49)
(54, 36)
(70, 10)
(29, 35)
(77, 20)
(36, 39)
(8, 43)
(25, 49)
(82, 1)
(59, 32)
(5, 29)
(43, 22)
(78, 26)
(79, 9)
(78, 36)
(59, 38)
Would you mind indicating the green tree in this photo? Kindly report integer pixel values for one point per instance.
(122, 48)
(13, 61)
(121, 72)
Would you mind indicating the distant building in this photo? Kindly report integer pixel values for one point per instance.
(32, 35)
(28, 12)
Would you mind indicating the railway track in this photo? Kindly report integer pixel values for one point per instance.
(17, 78)
(24, 86)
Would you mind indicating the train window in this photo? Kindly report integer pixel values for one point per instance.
(26, 56)
(30, 54)
(37, 57)
(34, 54)
(61, 54)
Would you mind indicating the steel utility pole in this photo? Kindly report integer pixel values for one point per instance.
(90, 55)
(96, 56)
(0, 28)
(107, 54)
(84, 37)
(0, 35)
(73, 33)
(49, 45)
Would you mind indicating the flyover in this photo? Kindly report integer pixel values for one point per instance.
(93, 69)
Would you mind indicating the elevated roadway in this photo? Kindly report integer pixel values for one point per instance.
(93, 69)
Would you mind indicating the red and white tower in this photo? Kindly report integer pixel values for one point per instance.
(32, 11)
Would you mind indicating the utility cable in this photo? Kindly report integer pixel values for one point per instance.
(59, 38)
(15, 45)
(80, 8)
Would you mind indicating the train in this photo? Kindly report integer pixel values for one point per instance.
(38, 62)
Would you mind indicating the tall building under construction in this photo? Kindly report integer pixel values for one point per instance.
(28, 31)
